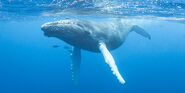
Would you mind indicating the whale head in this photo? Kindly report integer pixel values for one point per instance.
(66, 28)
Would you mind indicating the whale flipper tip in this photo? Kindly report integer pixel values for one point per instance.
(110, 61)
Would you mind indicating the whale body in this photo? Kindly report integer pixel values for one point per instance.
(94, 36)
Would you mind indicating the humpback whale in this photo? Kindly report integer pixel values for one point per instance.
(101, 36)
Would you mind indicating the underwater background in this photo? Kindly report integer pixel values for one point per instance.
(33, 63)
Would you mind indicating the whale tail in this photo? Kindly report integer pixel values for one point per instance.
(140, 31)
(110, 61)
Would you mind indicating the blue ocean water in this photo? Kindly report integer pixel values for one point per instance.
(30, 64)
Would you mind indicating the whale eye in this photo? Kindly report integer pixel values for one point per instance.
(87, 33)
(67, 18)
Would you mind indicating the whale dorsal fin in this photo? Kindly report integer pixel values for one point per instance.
(75, 66)
(110, 61)
(140, 31)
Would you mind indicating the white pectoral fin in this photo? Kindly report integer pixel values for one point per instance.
(110, 61)
(140, 31)
(75, 66)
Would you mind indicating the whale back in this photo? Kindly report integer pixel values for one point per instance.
(113, 33)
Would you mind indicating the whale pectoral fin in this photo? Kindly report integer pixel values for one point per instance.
(140, 31)
(75, 66)
(110, 61)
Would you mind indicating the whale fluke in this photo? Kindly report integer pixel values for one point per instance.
(110, 61)
(75, 66)
(140, 31)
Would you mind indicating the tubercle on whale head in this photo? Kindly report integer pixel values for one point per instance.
(62, 27)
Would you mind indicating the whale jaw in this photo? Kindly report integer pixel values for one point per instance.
(62, 27)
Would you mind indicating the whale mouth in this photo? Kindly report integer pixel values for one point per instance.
(49, 29)
(67, 28)
(62, 27)
(43, 27)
